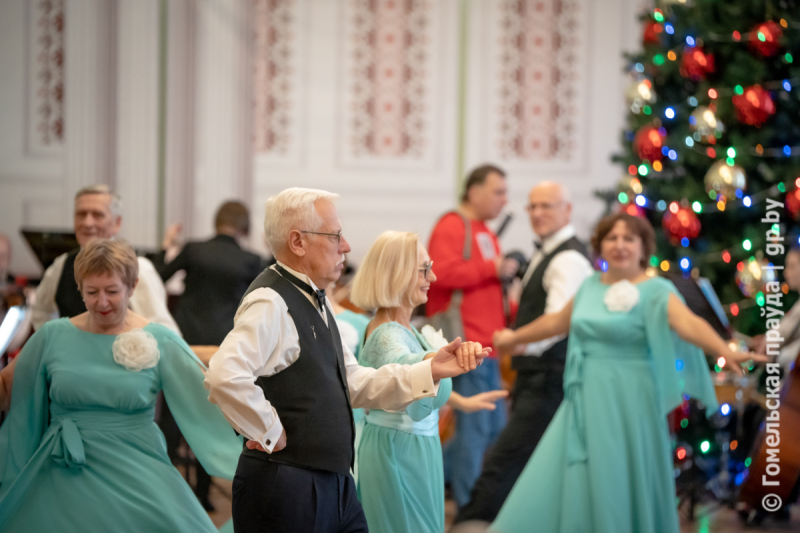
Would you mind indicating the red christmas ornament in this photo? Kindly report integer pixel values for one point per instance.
(764, 38)
(632, 209)
(679, 222)
(695, 64)
(793, 203)
(648, 143)
(652, 32)
(754, 106)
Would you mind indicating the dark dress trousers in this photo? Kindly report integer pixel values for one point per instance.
(538, 391)
(306, 487)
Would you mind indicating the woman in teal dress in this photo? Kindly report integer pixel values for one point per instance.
(79, 450)
(604, 463)
(401, 478)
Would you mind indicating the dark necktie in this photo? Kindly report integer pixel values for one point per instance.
(319, 295)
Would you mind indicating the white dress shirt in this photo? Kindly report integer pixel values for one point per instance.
(264, 341)
(562, 278)
(149, 299)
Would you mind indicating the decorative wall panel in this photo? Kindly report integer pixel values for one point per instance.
(534, 84)
(45, 77)
(274, 68)
(390, 80)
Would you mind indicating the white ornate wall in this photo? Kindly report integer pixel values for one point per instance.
(387, 102)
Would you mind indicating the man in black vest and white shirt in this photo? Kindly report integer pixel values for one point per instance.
(558, 267)
(98, 215)
(285, 380)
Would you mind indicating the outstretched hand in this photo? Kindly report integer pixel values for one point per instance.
(735, 358)
(485, 401)
(503, 340)
(449, 361)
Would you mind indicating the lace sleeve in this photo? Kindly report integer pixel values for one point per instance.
(391, 343)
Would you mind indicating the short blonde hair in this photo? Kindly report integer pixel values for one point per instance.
(292, 209)
(106, 256)
(386, 277)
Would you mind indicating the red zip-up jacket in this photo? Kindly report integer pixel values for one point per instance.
(482, 306)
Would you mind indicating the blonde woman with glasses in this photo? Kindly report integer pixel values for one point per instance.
(401, 479)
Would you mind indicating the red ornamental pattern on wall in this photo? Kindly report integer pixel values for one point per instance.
(539, 46)
(273, 71)
(389, 82)
(48, 65)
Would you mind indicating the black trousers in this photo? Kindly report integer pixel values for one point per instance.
(536, 397)
(277, 498)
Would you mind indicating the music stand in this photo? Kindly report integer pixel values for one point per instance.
(703, 301)
(47, 245)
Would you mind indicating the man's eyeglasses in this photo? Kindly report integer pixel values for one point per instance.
(544, 207)
(337, 235)
(426, 269)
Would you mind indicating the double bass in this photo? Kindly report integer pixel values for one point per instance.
(772, 477)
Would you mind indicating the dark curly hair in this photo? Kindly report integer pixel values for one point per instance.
(638, 226)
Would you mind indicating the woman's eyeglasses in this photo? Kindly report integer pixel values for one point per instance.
(426, 269)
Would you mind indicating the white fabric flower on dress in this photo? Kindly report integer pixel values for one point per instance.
(621, 297)
(136, 350)
(435, 338)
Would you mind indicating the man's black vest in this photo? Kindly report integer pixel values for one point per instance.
(311, 395)
(68, 298)
(531, 306)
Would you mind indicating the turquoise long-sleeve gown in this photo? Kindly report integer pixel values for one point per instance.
(401, 478)
(80, 451)
(604, 463)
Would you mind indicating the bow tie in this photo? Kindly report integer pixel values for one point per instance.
(319, 294)
(538, 245)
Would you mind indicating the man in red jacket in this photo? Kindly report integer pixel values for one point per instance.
(479, 280)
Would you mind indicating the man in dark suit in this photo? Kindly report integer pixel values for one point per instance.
(557, 268)
(218, 272)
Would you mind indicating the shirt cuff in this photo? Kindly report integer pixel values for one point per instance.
(270, 438)
(421, 378)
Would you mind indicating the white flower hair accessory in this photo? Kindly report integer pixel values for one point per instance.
(434, 337)
(136, 350)
(621, 297)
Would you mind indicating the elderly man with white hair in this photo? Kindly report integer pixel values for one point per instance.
(286, 381)
(556, 271)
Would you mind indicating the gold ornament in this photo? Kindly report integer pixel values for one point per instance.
(754, 276)
(639, 93)
(630, 185)
(704, 121)
(725, 179)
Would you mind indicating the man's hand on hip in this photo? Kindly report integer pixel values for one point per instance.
(281, 444)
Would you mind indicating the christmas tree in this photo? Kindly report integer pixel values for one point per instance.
(713, 135)
(712, 141)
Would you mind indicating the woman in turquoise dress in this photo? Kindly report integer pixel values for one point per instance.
(79, 450)
(604, 463)
(399, 456)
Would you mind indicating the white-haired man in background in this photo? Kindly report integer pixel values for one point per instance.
(285, 380)
(98, 215)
